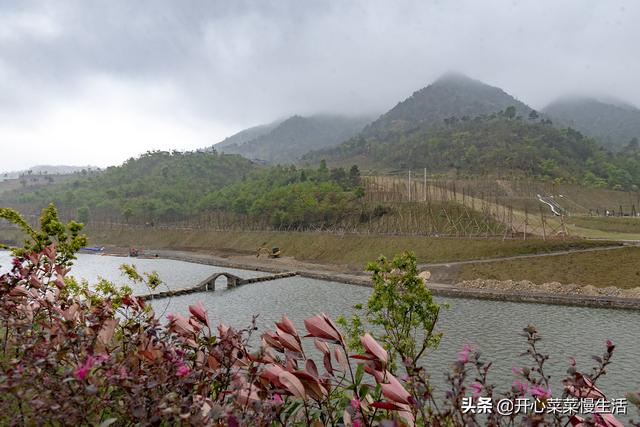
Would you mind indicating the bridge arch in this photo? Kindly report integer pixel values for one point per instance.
(209, 284)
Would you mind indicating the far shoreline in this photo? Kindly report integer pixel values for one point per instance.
(334, 273)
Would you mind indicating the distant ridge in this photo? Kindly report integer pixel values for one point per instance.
(248, 134)
(46, 169)
(288, 140)
(612, 123)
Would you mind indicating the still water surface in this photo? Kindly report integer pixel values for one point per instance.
(491, 326)
(174, 274)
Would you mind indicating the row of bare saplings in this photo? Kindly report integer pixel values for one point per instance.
(520, 192)
(379, 219)
(472, 208)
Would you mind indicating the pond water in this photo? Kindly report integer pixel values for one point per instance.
(174, 274)
(491, 326)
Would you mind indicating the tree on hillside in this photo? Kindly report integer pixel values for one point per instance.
(83, 215)
(510, 112)
(127, 214)
(354, 176)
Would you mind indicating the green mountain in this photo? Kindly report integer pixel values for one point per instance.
(462, 126)
(613, 124)
(452, 95)
(292, 138)
(166, 187)
(247, 135)
(157, 185)
(499, 146)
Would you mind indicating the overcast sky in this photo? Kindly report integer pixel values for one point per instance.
(96, 82)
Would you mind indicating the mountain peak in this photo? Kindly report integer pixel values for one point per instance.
(455, 77)
(452, 95)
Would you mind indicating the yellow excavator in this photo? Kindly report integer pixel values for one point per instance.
(264, 251)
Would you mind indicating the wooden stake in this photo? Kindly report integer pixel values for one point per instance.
(425, 184)
(544, 231)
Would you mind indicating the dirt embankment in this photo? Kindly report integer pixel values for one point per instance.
(353, 250)
(549, 288)
(616, 268)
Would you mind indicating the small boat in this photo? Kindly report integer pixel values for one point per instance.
(93, 248)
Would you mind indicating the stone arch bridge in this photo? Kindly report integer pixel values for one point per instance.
(209, 284)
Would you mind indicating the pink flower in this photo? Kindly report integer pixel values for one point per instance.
(516, 371)
(609, 344)
(463, 356)
(520, 387)
(183, 371)
(540, 392)
(355, 403)
(277, 398)
(81, 372)
(476, 388)
(356, 423)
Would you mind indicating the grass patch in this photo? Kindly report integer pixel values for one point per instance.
(330, 248)
(619, 267)
(609, 224)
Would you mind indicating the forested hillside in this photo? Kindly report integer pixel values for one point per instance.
(290, 196)
(497, 145)
(612, 125)
(155, 185)
(452, 95)
(296, 136)
(173, 186)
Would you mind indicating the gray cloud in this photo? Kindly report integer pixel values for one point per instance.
(200, 70)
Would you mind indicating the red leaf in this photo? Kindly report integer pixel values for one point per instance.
(361, 357)
(311, 367)
(271, 339)
(181, 325)
(288, 341)
(292, 384)
(287, 325)
(577, 421)
(607, 420)
(394, 391)
(327, 363)
(272, 374)
(372, 347)
(340, 357)
(311, 385)
(322, 346)
(585, 388)
(318, 327)
(379, 376)
(106, 334)
(199, 312)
